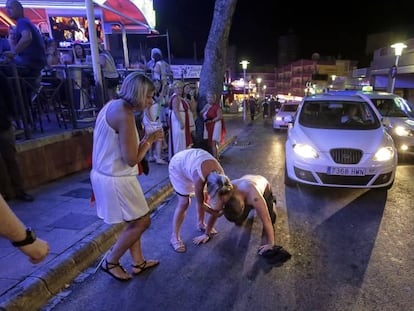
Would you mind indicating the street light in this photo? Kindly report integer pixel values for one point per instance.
(398, 48)
(244, 64)
(264, 90)
(259, 80)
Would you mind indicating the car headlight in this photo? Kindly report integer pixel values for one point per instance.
(402, 131)
(278, 118)
(305, 151)
(384, 154)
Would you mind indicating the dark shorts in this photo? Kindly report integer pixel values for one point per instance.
(270, 199)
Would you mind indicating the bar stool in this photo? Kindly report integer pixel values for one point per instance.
(51, 95)
(31, 88)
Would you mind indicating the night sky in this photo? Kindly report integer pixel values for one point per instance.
(329, 28)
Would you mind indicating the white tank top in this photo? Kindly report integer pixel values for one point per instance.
(191, 160)
(106, 155)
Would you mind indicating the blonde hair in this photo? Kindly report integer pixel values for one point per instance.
(135, 88)
(177, 84)
(218, 184)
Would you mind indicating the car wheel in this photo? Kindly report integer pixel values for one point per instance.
(288, 181)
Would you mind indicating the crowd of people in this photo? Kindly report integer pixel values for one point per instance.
(168, 111)
(118, 150)
(175, 110)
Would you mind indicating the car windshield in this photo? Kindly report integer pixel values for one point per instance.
(394, 107)
(289, 108)
(336, 114)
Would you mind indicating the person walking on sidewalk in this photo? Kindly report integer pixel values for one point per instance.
(12, 228)
(116, 152)
(190, 170)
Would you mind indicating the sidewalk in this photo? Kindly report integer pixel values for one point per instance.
(62, 215)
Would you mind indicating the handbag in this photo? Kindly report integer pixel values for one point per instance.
(143, 167)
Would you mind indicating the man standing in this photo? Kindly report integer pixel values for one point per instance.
(11, 181)
(28, 53)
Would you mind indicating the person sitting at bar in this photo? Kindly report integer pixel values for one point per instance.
(79, 54)
(27, 48)
(52, 53)
(109, 72)
(27, 52)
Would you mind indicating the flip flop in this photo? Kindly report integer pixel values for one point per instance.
(108, 266)
(146, 264)
(178, 245)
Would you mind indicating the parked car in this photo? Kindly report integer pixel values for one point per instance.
(284, 115)
(397, 117)
(329, 146)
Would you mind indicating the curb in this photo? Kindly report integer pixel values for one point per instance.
(37, 289)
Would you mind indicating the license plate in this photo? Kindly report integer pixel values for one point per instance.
(346, 171)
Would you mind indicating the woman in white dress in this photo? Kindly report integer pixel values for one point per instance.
(181, 121)
(191, 172)
(117, 150)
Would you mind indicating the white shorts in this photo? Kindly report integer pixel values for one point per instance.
(181, 183)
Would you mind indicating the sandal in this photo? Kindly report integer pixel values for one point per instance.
(108, 266)
(146, 264)
(178, 245)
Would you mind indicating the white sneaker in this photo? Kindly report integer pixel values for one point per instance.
(161, 161)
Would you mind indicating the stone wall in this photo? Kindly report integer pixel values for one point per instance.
(49, 158)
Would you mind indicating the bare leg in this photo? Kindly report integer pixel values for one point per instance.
(179, 215)
(157, 148)
(130, 238)
(214, 148)
(135, 250)
(201, 225)
(151, 153)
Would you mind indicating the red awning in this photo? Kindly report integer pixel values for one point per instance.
(37, 16)
(121, 12)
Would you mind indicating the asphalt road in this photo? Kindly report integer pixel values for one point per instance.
(351, 250)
